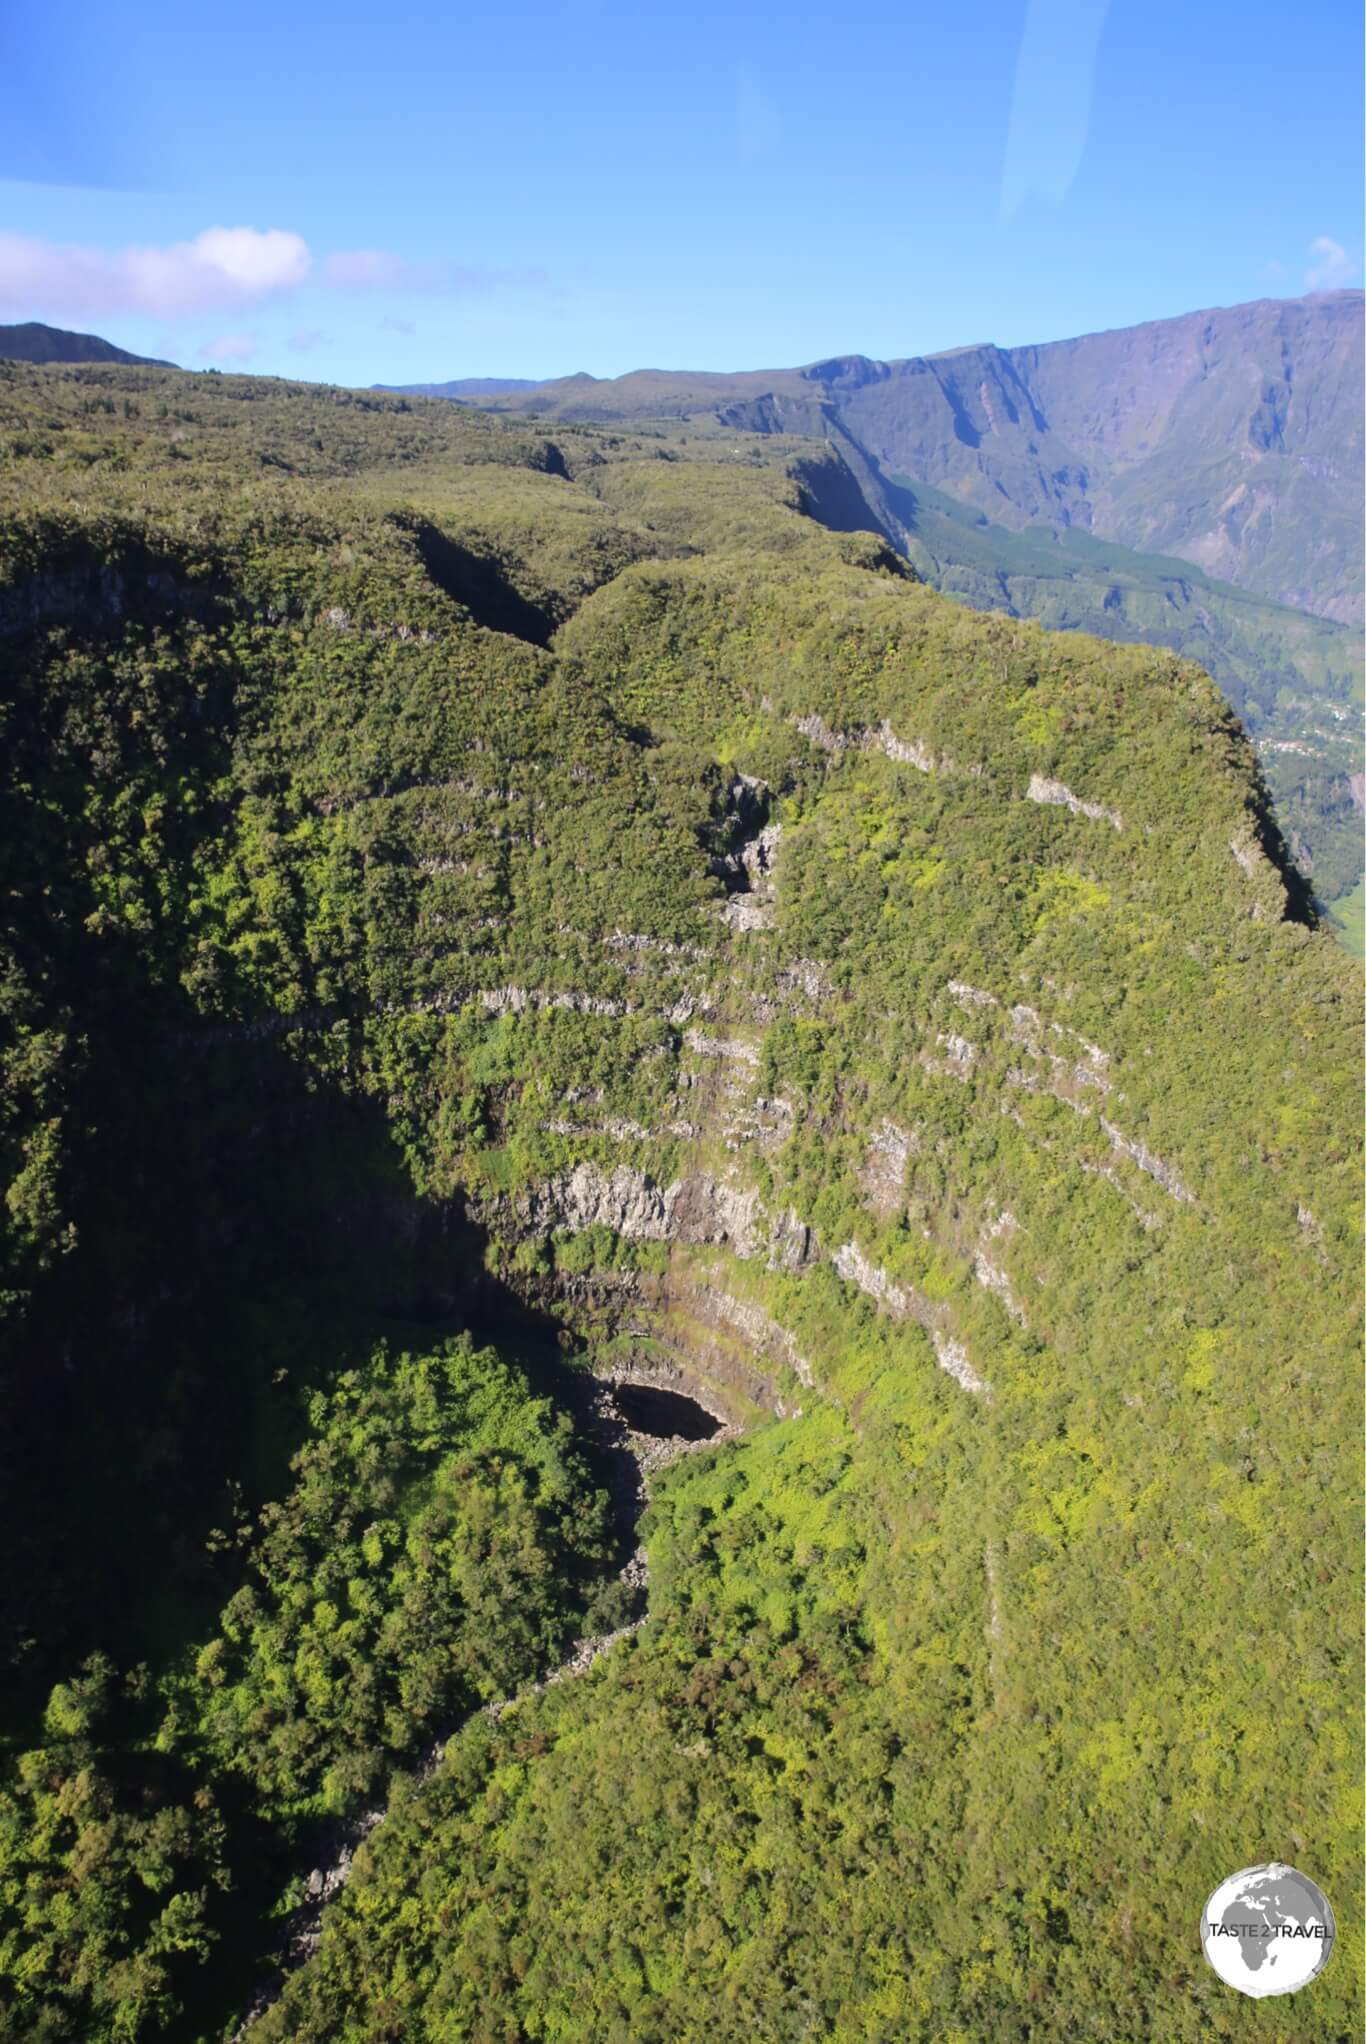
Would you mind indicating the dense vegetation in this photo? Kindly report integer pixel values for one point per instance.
(418, 1563)
(422, 1561)
(1294, 679)
(475, 898)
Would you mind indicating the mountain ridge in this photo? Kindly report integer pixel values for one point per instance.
(32, 341)
(463, 387)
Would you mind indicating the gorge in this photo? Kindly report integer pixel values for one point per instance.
(520, 932)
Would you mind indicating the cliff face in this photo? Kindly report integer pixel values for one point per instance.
(1231, 438)
(757, 974)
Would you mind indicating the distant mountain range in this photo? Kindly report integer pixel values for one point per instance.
(464, 388)
(1192, 483)
(34, 342)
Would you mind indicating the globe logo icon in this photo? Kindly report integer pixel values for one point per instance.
(1267, 1930)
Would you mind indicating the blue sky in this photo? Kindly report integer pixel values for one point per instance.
(411, 192)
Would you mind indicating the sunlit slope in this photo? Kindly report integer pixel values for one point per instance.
(1294, 679)
(941, 1708)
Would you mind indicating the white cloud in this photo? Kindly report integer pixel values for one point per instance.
(230, 348)
(221, 266)
(254, 261)
(1330, 266)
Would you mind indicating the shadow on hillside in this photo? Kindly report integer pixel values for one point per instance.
(243, 1233)
(479, 583)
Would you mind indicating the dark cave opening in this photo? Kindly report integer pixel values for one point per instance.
(668, 1415)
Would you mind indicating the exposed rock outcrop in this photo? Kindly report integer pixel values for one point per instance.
(1068, 1076)
(953, 1358)
(885, 1159)
(695, 1210)
(730, 1049)
(959, 1055)
(1141, 1155)
(748, 864)
(98, 593)
(515, 1000)
(903, 1302)
(877, 738)
(1041, 789)
(989, 1273)
(756, 1327)
(970, 996)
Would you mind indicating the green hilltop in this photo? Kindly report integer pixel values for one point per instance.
(495, 907)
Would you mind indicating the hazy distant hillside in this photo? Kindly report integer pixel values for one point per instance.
(34, 342)
(463, 387)
(1232, 438)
